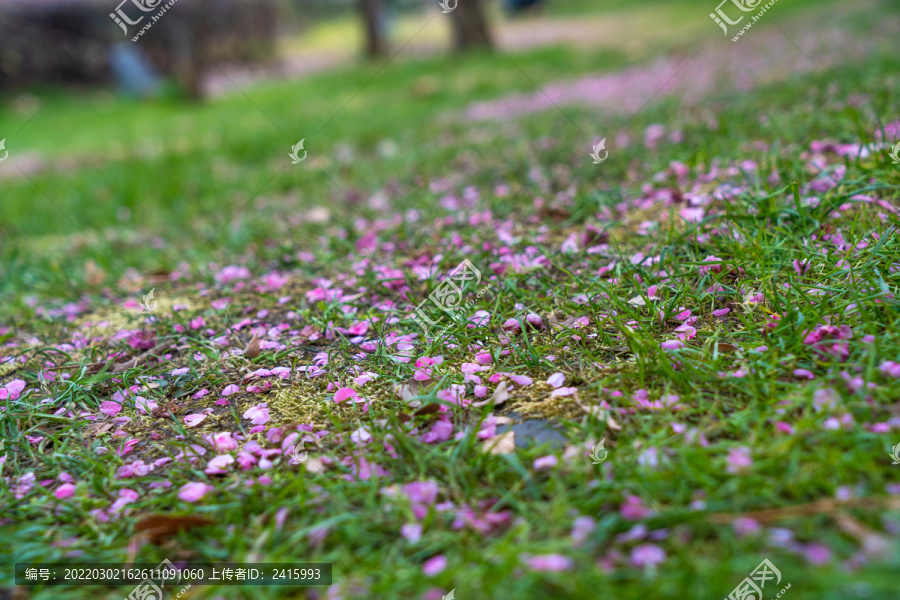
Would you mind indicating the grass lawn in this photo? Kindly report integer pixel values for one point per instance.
(715, 301)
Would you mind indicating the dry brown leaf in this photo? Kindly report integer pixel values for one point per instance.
(348, 299)
(138, 360)
(158, 528)
(252, 349)
(572, 453)
(591, 410)
(499, 396)
(828, 505)
(505, 443)
(407, 390)
(428, 409)
(611, 423)
(96, 429)
(159, 277)
(555, 212)
(93, 275)
(559, 321)
(874, 545)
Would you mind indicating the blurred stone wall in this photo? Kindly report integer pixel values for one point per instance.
(67, 41)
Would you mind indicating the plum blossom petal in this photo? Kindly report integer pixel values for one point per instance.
(110, 409)
(66, 490)
(549, 562)
(12, 390)
(345, 394)
(439, 432)
(191, 492)
(545, 463)
(647, 555)
(521, 380)
(144, 405)
(434, 565)
(739, 460)
(258, 415)
(219, 464)
(484, 358)
(224, 442)
(412, 532)
(890, 369)
(194, 419)
(582, 527)
(556, 380)
(564, 391)
(803, 374)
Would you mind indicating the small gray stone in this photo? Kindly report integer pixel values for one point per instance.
(534, 432)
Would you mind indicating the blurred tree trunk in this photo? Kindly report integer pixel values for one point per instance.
(470, 26)
(373, 20)
(186, 67)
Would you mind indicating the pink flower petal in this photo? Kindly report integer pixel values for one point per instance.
(545, 463)
(739, 460)
(191, 492)
(803, 374)
(582, 528)
(12, 390)
(194, 420)
(556, 380)
(412, 532)
(484, 358)
(224, 442)
(258, 415)
(564, 391)
(144, 405)
(512, 325)
(522, 380)
(534, 320)
(219, 464)
(549, 562)
(66, 490)
(345, 394)
(434, 565)
(647, 555)
(110, 409)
